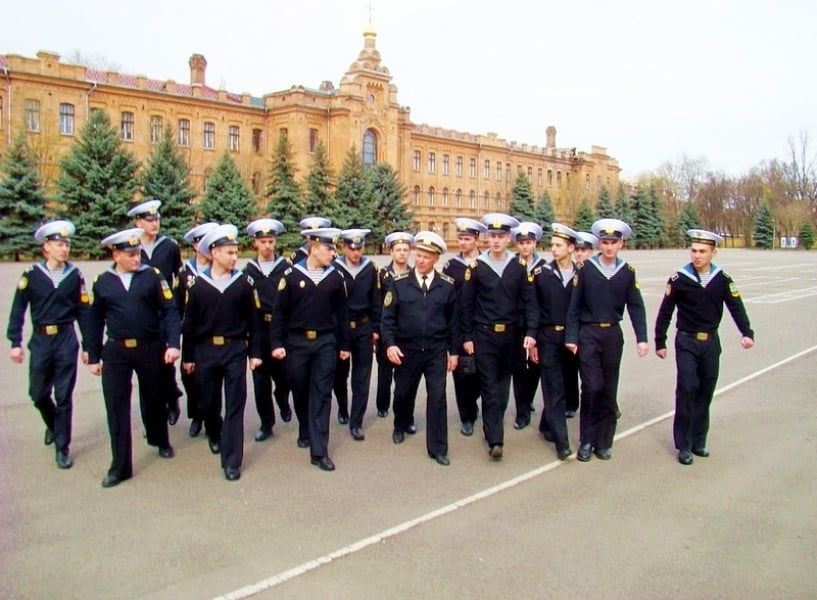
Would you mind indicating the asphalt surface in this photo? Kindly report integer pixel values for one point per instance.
(392, 523)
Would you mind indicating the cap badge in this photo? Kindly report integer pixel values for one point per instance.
(609, 230)
(133, 241)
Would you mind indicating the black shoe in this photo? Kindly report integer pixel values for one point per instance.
(604, 453)
(263, 434)
(173, 415)
(383, 413)
(521, 422)
(411, 429)
(585, 452)
(467, 429)
(232, 473)
(495, 452)
(570, 414)
(215, 445)
(63, 460)
(303, 442)
(286, 415)
(357, 434)
(398, 437)
(323, 462)
(49, 437)
(343, 419)
(441, 459)
(532, 408)
(564, 453)
(195, 428)
(702, 452)
(685, 457)
(548, 435)
(167, 451)
(111, 480)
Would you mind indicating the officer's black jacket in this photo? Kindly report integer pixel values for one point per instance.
(167, 257)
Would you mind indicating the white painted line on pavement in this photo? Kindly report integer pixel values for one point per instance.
(289, 574)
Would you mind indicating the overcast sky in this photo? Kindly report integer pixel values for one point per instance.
(730, 80)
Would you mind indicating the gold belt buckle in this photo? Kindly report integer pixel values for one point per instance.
(499, 328)
(268, 318)
(352, 324)
(604, 325)
(218, 340)
(52, 329)
(130, 343)
(558, 328)
(701, 336)
(311, 334)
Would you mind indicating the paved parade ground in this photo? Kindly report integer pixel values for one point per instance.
(391, 523)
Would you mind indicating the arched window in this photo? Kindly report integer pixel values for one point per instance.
(472, 199)
(458, 199)
(416, 195)
(445, 197)
(431, 196)
(486, 203)
(369, 148)
(498, 202)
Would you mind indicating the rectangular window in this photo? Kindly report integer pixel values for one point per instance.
(558, 179)
(256, 140)
(459, 166)
(472, 167)
(155, 129)
(445, 164)
(32, 114)
(283, 133)
(313, 140)
(416, 162)
(539, 177)
(498, 171)
(126, 126)
(209, 141)
(508, 171)
(67, 119)
(234, 137)
(550, 178)
(184, 132)
(432, 162)
(487, 170)
(530, 173)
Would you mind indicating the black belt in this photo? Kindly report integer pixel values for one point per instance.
(358, 323)
(133, 342)
(218, 340)
(701, 336)
(53, 329)
(310, 334)
(497, 327)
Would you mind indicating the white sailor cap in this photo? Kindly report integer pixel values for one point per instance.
(399, 237)
(354, 238)
(198, 232)
(564, 232)
(59, 231)
(611, 229)
(430, 242)
(324, 235)
(314, 222)
(261, 228)
(128, 240)
(499, 222)
(223, 235)
(469, 226)
(148, 210)
(704, 237)
(586, 240)
(527, 230)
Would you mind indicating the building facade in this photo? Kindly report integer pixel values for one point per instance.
(447, 173)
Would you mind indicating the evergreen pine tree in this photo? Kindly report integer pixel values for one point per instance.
(167, 178)
(764, 227)
(387, 193)
(584, 217)
(687, 219)
(284, 199)
(354, 204)
(624, 206)
(648, 229)
(543, 211)
(807, 236)
(319, 198)
(96, 184)
(604, 206)
(228, 198)
(522, 199)
(22, 200)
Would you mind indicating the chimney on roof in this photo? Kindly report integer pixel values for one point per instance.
(551, 137)
(198, 66)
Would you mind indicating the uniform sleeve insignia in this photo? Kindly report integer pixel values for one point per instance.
(302, 284)
(282, 284)
(668, 291)
(288, 271)
(575, 279)
(166, 293)
(257, 299)
(631, 267)
(637, 285)
(468, 274)
(388, 299)
(157, 271)
(674, 277)
(537, 270)
(580, 264)
(400, 276)
(733, 289)
(84, 297)
(446, 278)
(23, 283)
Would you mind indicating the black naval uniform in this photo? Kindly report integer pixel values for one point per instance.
(525, 372)
(142, 321)
(385, 368)
(271, 370)
(557, 365)
(425, 326)
(364, 319)
(221, 320)
(697, 345)
(491, 305)
(466, 380)
(53, 345)
(596, 308)
(187, 277)
(167, 257)
(312, 322)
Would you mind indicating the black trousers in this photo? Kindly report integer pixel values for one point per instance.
(525, 382)
(195, 411)
(385, 374)
(53, 367)
(466, 391)
(698, 363)
(600, 350)
(552, 358)
(224, 367)
(311, 369)
(360, 364)
(431, 364)
(271, 371)
(570, 375)
(118, 366)
(494, 354)
(169, 388)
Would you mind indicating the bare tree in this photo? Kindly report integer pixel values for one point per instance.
(801, 169)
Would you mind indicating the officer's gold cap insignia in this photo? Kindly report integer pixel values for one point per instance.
(463, 228)
(230, 236)
(64, 232)
(133, 241)
(609, 230)
(496, 225)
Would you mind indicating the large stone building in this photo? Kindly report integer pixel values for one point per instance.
(446, 173)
